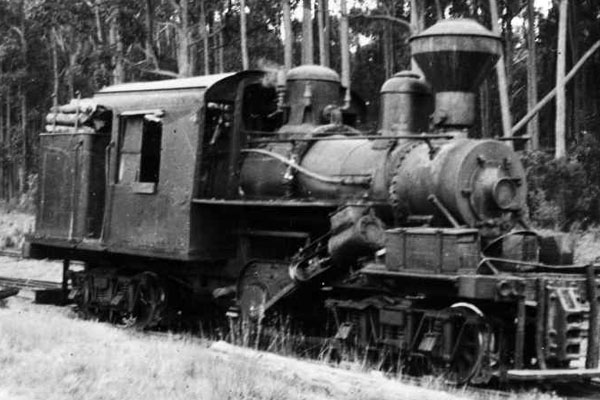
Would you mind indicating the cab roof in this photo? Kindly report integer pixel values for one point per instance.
(198, 82)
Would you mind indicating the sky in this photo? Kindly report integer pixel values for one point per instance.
(334, 6)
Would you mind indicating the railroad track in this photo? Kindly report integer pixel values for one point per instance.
(11, 253)
(28, 284)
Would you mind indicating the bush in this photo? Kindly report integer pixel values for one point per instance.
(564, 192)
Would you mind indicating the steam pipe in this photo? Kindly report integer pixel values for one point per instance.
(427, 138)
(314, 175)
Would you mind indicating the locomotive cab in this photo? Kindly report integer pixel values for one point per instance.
(121, 169)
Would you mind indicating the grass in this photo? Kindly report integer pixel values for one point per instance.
(45, 354)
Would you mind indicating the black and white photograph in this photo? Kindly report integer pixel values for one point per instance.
(299, 199)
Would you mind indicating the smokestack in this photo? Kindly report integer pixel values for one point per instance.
(455, 56)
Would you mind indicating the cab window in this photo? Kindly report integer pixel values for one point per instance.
(139, 149)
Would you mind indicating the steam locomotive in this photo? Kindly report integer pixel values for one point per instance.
(261, 194)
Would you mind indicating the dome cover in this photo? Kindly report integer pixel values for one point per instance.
(313, 72)
(406, 82)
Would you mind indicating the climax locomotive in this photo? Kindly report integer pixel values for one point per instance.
(412, 241)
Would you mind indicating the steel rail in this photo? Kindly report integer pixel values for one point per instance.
(24, 283)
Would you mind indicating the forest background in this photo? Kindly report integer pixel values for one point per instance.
(54, 50)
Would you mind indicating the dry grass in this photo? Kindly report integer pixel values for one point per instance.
(45, 354)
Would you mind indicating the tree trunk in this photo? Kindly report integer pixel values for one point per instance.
(220, 44)
(8, 145)
(71, 73)
(439, 12)
(23, 170)
(416, 26)
(307, 33)
(345, 52)
(184, 65)
(388, 50)
(2, 142)
(1, 119)
(244, 33)
(322, 15)
(287, 34)
(319, 6)
(55, 73)
(99, 32)
(117, 45)
(204, 36)
(501, 75)
(149, 27)
(560, 127)
(326, 31)
(387, 38)
(533, 129)
(577, 107)
(508, 46)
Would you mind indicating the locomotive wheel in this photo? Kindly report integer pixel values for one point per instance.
(146, 300)
(469, 347)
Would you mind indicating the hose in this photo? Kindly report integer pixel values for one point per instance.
(323, 178)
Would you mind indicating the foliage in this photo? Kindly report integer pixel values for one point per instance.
(566, 191)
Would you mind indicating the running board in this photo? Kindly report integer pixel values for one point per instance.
(554, 374)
